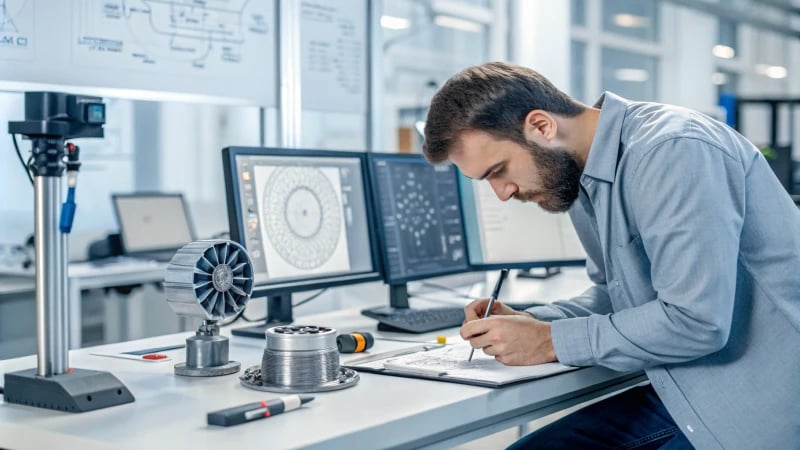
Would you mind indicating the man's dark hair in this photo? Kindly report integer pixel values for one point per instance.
(493, 97)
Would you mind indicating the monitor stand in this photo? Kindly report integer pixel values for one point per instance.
(398, 305)
(398, 302)
(279, 312)
(391, 318)
(547, 272)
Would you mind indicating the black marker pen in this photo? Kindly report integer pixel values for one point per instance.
(257, 410)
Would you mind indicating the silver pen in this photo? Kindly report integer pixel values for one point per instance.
(492, 298)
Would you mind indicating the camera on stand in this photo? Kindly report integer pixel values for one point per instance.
(50, 119)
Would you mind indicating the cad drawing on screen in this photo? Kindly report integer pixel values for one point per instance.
(416, 214)
(302, 217)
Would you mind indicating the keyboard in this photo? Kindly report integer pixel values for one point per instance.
(407, 320)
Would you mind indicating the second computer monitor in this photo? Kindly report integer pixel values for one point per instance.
(515, 234)
(420, 222)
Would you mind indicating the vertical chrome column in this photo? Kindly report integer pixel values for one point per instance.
(50, 271)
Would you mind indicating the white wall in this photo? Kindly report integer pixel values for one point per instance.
(687, 64)
(540, 38)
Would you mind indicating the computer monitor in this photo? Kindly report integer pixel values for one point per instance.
(152, 224)
(305, 218)
(514, 234)
(420, 226)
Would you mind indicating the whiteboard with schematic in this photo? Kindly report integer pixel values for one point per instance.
(216, 50)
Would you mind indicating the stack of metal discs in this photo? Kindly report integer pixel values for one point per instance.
(300, 359)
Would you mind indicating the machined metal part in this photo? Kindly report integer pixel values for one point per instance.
(298, 359)
(300, 338)
(207, 354)
(211, 279)
(346, 378)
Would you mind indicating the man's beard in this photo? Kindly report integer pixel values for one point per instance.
(560, 177)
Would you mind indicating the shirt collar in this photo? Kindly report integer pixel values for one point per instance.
(604, 152)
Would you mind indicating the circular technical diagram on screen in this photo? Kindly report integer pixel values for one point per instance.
(302, 216)
(416, 214)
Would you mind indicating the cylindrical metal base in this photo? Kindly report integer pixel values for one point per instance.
(207, 356)
(226, 369)
(206, 351)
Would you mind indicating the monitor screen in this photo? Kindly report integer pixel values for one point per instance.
(303, 215)
(152, 221)
(515, 234)
(419, 217)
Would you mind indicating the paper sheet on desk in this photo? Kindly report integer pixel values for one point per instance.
(450, 364)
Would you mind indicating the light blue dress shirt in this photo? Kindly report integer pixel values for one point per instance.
(694, 250)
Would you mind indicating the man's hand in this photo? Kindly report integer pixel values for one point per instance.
(513, 339)
(477, 309)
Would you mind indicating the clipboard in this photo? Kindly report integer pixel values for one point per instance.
(449, 363)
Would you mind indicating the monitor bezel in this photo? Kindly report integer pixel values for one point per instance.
(236, 226)
(524, 265)
(145, 194)
(373, 159)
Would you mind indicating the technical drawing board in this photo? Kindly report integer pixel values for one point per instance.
(214, 49)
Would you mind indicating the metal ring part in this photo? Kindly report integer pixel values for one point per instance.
(251, 378)
(300, 358)
(225, 369)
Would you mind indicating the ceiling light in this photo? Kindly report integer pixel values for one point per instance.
(775, 72)
(723, 51)
(637, 75)
(631, 21)
(458, 24)
(395, 23)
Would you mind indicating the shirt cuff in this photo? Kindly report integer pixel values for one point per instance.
(571, 341)
(545, 313)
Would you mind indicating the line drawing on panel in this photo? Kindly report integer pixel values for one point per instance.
(174, 30)
(7, 24)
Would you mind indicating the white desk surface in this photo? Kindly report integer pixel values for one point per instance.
(379, 412)
(86, 275)
(93, 274)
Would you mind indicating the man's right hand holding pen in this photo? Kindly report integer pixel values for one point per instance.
(514, 338)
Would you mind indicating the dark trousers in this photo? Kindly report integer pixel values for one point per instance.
(634, 419)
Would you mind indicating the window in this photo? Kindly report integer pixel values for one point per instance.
(629, 74)
(632, 18)
(578, 12)
(422, 48)
(616, 46)
(578, 71)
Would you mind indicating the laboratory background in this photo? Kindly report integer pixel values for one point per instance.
(320, 107)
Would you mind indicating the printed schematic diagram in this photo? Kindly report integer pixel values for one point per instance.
(16, 24)
(201, 33)
(6, 20)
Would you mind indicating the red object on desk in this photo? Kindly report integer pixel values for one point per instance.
(154, 356)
